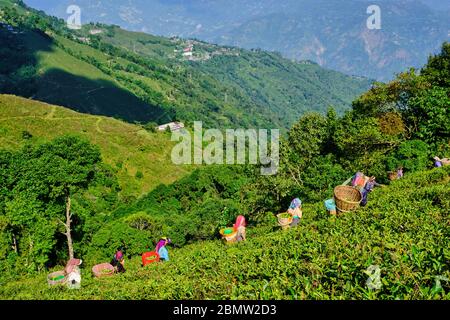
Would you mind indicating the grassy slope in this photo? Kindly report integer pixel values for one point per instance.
(68, 81)
(405, 233)
(120, 142)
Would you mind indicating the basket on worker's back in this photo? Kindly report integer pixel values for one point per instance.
(103, 270)
(284, 220)
(393, 175)
(347, 198)
(229, 234)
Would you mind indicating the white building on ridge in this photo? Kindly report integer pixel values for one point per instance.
(174, 126)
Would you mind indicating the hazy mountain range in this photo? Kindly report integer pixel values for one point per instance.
(332, 33)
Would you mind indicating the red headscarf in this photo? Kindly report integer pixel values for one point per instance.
(71, 264)
(119, 255)
(240, 222)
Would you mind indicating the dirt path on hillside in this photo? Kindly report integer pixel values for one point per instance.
(97, 126)
(51, 117)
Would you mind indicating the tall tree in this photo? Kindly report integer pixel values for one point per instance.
(71, 164)
(42, 181)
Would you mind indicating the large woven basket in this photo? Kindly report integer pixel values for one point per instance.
(232, 237)
(393, 175)
(347, 198)
(98, 270)
(284, 222)
(58, 277)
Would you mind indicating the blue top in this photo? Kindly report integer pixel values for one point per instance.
(163, 253)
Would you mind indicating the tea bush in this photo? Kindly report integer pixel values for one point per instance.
(404, 230)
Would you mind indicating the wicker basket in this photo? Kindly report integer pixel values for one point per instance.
(232, 237)
(98, 270)
(284, 222)
(58, 277)
(393, 175)
(347, 198)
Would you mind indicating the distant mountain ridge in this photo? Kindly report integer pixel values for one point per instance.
(332, 33)
(105, 70)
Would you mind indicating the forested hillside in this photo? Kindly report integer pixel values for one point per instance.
(333, 33)
(69, 184)
(404, 232)
(104, 70)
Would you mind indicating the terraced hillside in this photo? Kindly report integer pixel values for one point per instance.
(126, 147)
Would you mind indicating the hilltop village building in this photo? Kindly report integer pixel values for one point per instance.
(188, 51)
(95, 31)
(174, 126)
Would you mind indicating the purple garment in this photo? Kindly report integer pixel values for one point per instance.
(399, 174)
(438, 164)
(359, 174)
(160, 244)
(296, 203)
(370, 185)
(119, 255)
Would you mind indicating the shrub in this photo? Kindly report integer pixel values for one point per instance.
(139, 175)
(413, 155)
(26, 135)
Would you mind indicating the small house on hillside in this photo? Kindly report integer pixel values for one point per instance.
(174, 126)
(188, 51)
(83, 39)
(95, 31)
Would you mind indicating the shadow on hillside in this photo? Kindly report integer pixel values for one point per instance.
(99, 97)
(19, 75)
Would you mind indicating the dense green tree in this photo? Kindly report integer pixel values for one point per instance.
(430, 111)
(37, 190)
(437, 70)
(412, 155)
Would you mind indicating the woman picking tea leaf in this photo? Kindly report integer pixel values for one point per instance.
(295, 210)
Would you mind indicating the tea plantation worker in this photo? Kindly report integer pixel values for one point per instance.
(73, 273)
(239, 226)
(161, 248)
(72, 265)
(437, 162)
(400, 173)
(118, 262)
(369, 186)
(441, 162)
(359, 180)
(295, 210)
